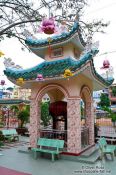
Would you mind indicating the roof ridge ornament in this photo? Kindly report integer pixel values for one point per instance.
(8, 63)
(90, 46)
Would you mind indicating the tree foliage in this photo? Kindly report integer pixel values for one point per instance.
(45, 117)
(20, 18)
(104, 101)
(15, 109)
(23, 116)
(114, 91)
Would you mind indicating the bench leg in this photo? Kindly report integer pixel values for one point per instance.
(112, 155)
(58, 155)
(52, 157)
(35, 155)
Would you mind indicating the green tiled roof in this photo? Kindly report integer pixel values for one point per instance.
(56, 38)
(13, 101)
(53, 69)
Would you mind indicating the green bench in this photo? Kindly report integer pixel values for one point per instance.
(52, 146)
(10, 134)
(106, 149)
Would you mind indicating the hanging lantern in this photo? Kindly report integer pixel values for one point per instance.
(48, 26)
(39, 77)
(1, 54)
(68, 73)
(20, 81)
(2, 82)
(106, 64)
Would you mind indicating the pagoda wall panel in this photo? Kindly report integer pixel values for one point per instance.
(68, 51)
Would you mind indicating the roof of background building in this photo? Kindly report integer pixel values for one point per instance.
(13, 101)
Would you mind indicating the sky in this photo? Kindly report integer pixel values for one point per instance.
(98, 9)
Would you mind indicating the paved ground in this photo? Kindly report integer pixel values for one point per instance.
(24, 162)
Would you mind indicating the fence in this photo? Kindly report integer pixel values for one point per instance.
(62, 134)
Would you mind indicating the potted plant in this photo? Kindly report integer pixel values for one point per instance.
(23, 117)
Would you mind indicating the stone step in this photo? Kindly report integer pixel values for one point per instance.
(87, 159)
(90, 151)
(91, 159)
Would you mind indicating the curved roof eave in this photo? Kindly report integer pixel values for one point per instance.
(63, 37)
(53, 70)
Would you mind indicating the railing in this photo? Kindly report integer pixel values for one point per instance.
(54, 134)
(62, 134)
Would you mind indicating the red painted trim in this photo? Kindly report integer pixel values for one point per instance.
(77, 154)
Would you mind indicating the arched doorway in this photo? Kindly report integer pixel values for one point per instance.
(56, 93)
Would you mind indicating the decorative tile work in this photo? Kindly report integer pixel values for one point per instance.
(34, 122)
(74, 126)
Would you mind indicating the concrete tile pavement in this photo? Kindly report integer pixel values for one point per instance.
(24, 162)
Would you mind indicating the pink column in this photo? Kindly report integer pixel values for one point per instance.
(34, 122)
(90, 121)
(73, 126)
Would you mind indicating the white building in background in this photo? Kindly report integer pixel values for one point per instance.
(96, 96)
(20, 93)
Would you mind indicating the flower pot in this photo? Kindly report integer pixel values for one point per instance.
(21, 131)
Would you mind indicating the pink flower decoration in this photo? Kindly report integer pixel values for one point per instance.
(39, 77)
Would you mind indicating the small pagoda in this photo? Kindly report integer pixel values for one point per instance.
(68, 76)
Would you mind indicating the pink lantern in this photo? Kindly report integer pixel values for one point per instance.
(39, 77)
(48, 26)
(2, 82)
(106, 64)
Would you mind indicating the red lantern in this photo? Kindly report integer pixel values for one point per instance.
(106, 64)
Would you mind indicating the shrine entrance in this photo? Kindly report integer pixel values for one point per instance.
(58, 112)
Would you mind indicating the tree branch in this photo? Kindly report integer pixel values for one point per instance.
(18, 23)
